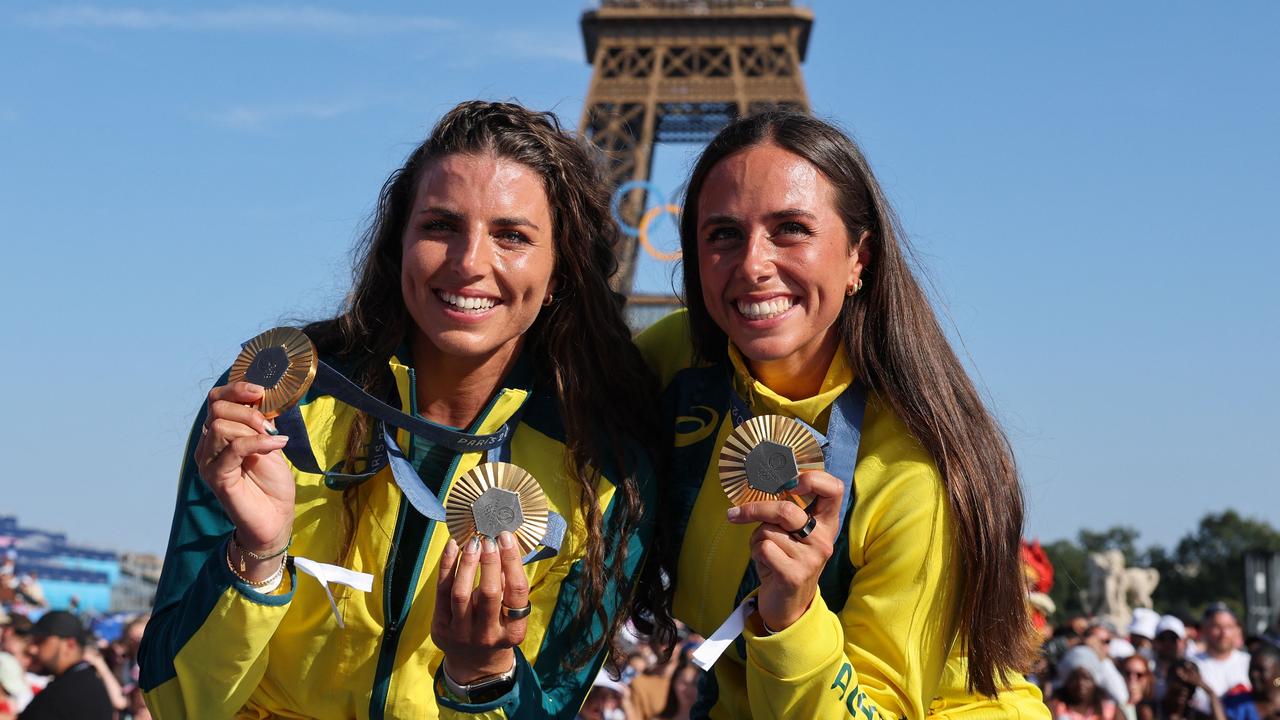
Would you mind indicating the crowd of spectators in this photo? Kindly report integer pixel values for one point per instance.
(1161, 667)
(648, 687)
(58, 667)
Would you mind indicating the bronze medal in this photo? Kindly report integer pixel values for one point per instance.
(765, 454)
(494, 497)
(282, 360)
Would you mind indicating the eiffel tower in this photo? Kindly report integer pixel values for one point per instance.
(679, 71)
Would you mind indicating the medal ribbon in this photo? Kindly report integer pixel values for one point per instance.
(839, 456)
(384, 451)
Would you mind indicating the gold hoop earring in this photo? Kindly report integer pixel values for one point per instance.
(857, 285)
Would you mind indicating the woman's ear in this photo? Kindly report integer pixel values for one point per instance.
(859, 259)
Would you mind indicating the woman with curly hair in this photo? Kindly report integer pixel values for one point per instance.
(481, 302)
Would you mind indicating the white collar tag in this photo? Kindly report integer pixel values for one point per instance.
(713, 647)
(325, 574)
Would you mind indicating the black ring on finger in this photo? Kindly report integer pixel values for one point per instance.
(516, 613)
(802, 533)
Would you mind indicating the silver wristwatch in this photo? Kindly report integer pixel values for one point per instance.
(490, 687)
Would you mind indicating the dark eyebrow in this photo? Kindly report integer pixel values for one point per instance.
(442, 212)
(516, 221)
(456, 216)
(776, 215)
(720, 220)
(791, 213)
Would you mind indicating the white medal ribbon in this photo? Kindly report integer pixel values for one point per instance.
(325, 574)
(713, 647)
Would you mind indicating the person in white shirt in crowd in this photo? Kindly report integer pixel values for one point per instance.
(1223, 666)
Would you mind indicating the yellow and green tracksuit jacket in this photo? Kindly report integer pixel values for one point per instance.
(215, 648)
(880, 637)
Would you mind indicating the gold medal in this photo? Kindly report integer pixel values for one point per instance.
(282, 360)
(494, 497)
(763, 455)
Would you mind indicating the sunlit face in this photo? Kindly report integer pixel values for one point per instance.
(1168, 646)
(47, 655)
(685, 686)
(1137, 677)
(1221, 632)
(133, 638)
(1080, 685)
(600, 704)
(1264, 673)
(774, 255)
(478, 255)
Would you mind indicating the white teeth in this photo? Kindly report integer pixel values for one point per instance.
(766, 309)
(461, 302)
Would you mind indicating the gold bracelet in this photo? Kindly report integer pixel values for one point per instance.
(245, 551)
(273, 578)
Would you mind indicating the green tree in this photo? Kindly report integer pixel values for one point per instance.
(1070, 578)
(1120, 537)
(1208, 563)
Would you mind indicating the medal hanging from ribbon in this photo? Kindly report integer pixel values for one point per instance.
(284, 362)
(762, 459)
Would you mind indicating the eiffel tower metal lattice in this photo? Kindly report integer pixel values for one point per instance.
(679, 71)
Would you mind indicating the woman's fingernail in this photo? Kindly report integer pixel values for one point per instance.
(791, 484)
(473, 547)
(734, 513)
(280, 440)
(269, 428)
(506, 539)
(490, 546)
(253, 387)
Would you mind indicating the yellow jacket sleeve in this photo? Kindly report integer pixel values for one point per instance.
(884, 652)
(205, 647)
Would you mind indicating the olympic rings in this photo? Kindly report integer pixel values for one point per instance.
(649, 215)
(641, 232)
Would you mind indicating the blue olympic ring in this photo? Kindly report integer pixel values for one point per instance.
(654, 193)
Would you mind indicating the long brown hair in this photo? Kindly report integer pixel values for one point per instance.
(579, 345)
(898, 349)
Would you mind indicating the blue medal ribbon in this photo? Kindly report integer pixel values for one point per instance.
(839, 456)
(384, 451)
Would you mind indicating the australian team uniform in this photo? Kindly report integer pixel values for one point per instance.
(880, 638)
(215, 647)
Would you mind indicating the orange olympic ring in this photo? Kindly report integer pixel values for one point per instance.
(648, 217)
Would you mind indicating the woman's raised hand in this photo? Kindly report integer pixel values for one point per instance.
(470, 625)
(242, 464)
(788, 561)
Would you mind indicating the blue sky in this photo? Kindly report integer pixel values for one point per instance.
(1091, 187)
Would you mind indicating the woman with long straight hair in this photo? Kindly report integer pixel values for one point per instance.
(481, 306)
(894, 587)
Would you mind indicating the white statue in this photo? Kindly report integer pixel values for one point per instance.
(1114, 589)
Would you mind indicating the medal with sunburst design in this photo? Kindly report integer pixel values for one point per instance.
(282, 360)
(762, 455)
(494, 497)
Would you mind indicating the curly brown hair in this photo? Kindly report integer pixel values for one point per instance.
(580, 345)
